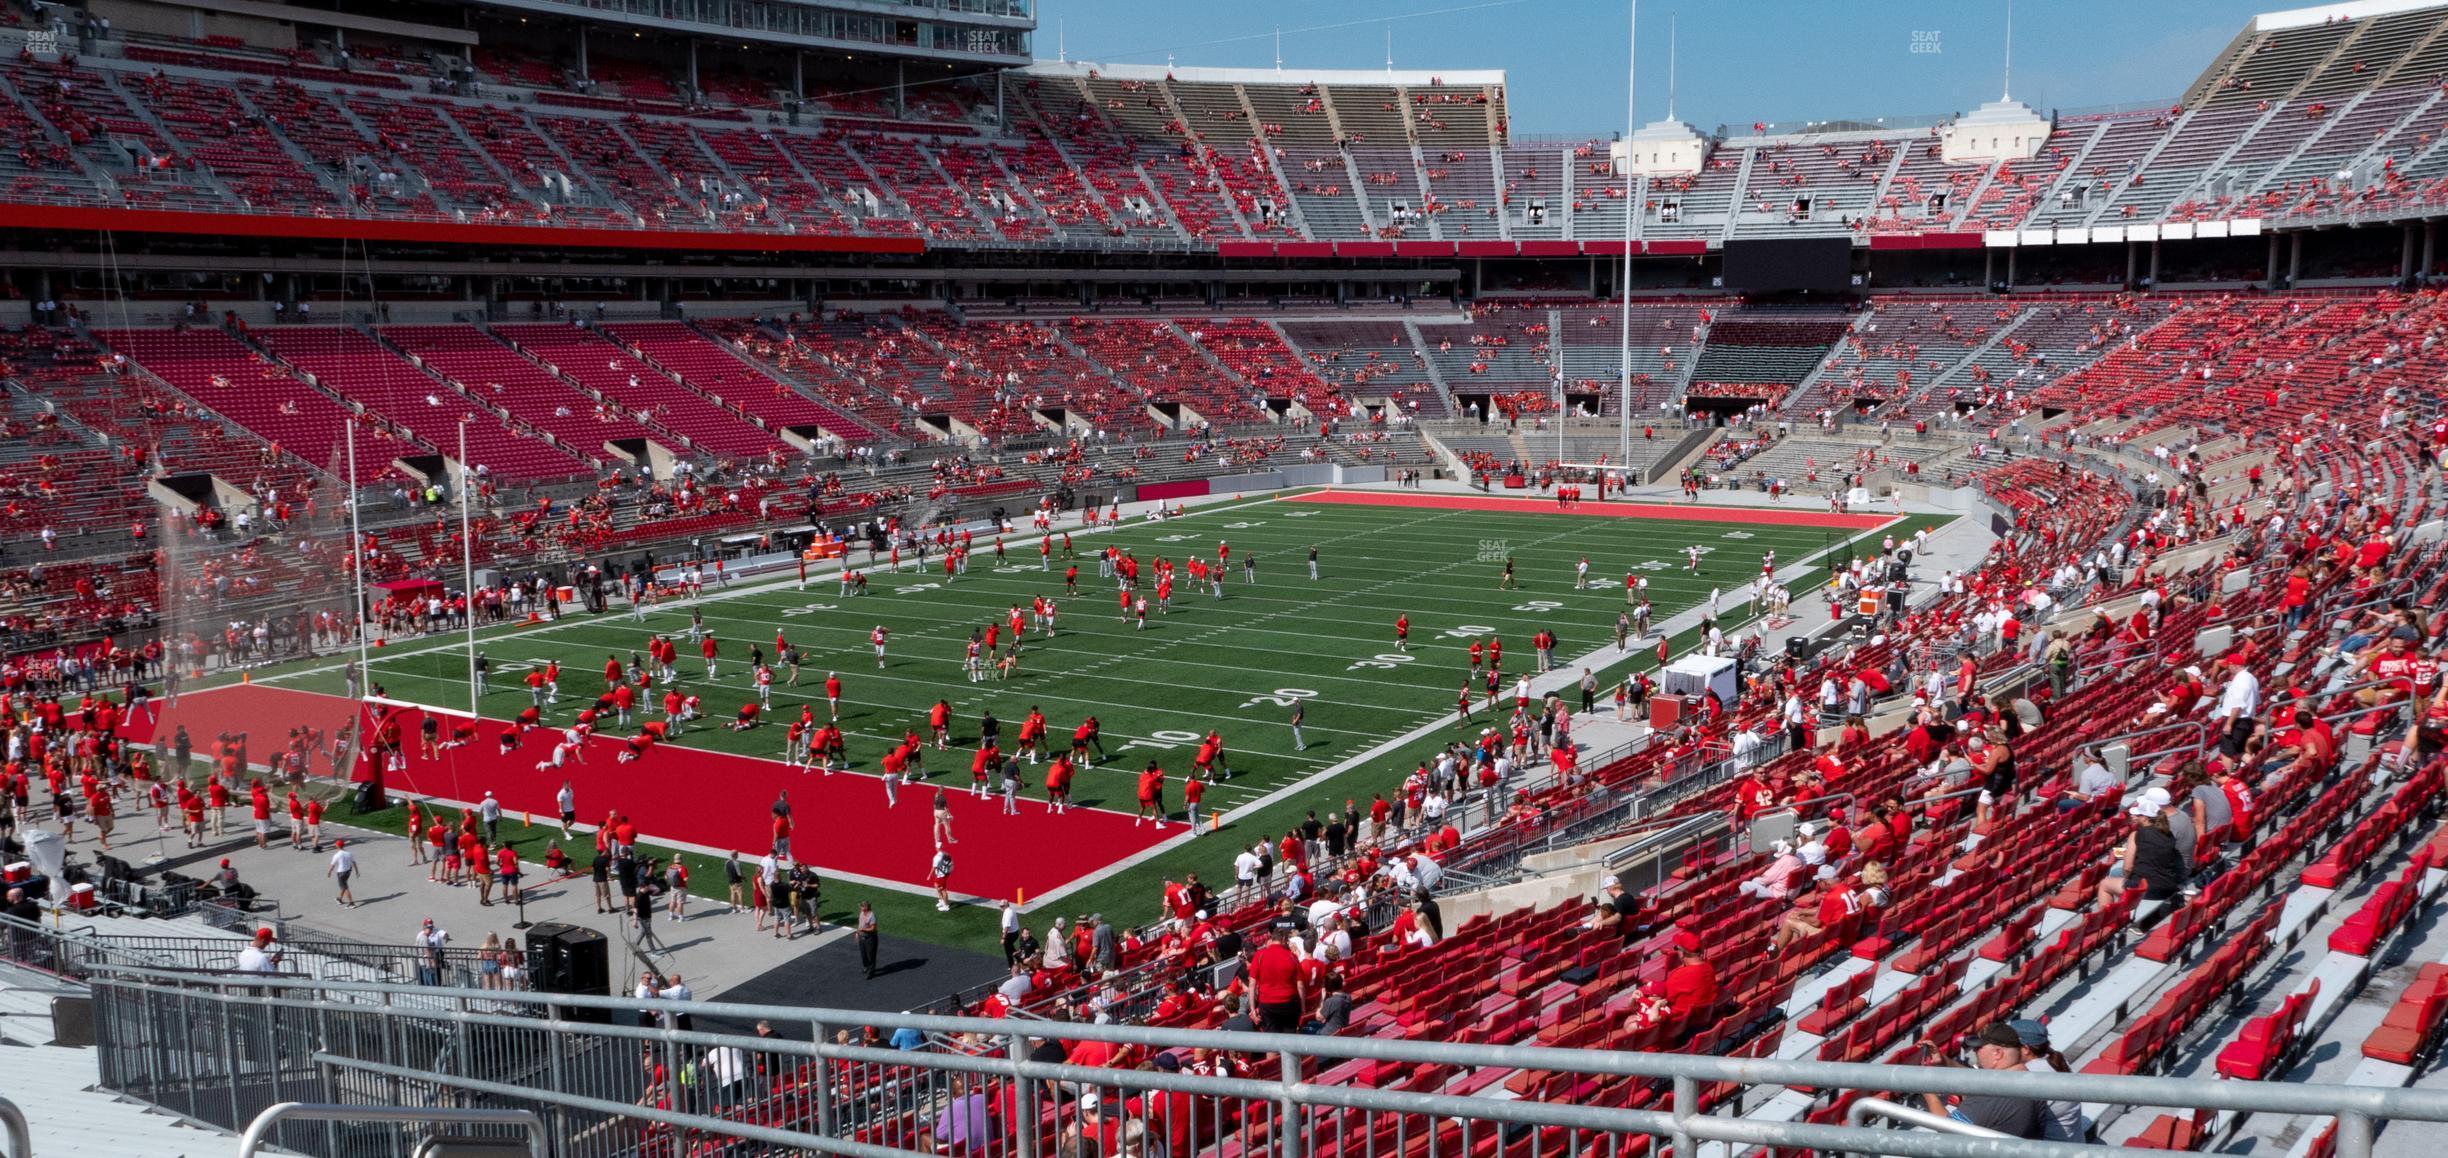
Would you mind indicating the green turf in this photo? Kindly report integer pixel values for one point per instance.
(1234, 664)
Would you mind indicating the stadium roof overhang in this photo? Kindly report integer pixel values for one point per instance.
(797, 25)
(94, 219)
(1409, 78)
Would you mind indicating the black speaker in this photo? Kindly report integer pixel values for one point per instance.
(1797, 647)
(72, 1021)
(567, 958)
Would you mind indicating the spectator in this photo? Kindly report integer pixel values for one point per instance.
(963, 1125)
(2063, 1120)
(2093, 782)
(1618, 909)
(1998, 1047)
(262, 955)
(1691, 986)
(2149, 857)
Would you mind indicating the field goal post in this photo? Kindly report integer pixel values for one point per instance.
(390, 728)
(1601, 480)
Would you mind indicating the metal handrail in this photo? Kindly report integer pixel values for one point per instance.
(461, 1007)
(13, 1120)
(1862, 1109)
(259, 1132)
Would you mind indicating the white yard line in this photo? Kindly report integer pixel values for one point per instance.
(1562, 677)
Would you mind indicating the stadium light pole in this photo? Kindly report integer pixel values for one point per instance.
(1623, 457)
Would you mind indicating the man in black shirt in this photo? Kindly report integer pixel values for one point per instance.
(1998, 1047)
(1618, 909)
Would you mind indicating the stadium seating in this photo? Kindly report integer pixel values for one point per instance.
(601, 367)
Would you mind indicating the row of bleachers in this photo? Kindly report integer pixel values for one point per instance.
(1369, 360)
(529, 396)
(659, 164)
(605, 369)
(356, 367)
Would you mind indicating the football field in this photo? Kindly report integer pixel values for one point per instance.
(1236, 665)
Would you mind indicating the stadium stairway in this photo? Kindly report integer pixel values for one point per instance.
(59, 1086)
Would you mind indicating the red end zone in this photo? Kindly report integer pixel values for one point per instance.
(710, 800)
(1752, 516)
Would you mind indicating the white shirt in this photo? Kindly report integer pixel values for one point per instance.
(1244, 865)
(254, 960)
(343, 861)
(567, 799)
(2243, 695)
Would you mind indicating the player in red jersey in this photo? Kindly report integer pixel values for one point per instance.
(1058, 784)
(939, 718)
(1151, 794)
(1402, 632)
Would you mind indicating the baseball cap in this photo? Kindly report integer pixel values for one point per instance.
(1687, 941)
(2157, 797)
(2143, 808)
(1609, 882)
(2031, 1033)
(2000, 1033)
(262, 936)
(1167, 1062)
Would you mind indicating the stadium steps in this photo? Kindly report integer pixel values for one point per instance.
(2315, 1016)
(1807, 390)
(1419, 176)
(1495, 194)
(51, 134)
(1971, 358)
(1742, 184)
(467, 141)
(2139, 164)
(71, 1115)
(1963, 206)
(2073, 172)
(2089, 1003)
(1419, 348)
(202, 175)
(305, 160)
(581, 174)
(2269, 172)
(1291, 204)
(1895, 165)
(2426, 48)
(1372, 217)
(1205, 355)
(796, 382)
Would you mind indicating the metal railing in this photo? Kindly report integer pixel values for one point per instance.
(619, 1087)
(259, 1131)
(13, 1120)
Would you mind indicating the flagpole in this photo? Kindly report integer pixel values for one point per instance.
(1631, 206)
(467, 564)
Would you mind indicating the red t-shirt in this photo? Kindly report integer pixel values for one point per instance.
(1691, 989)
(1275, 974)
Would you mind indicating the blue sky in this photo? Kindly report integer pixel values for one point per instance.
(1740, 60)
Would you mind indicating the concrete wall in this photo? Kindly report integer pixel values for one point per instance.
(1542, 892)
